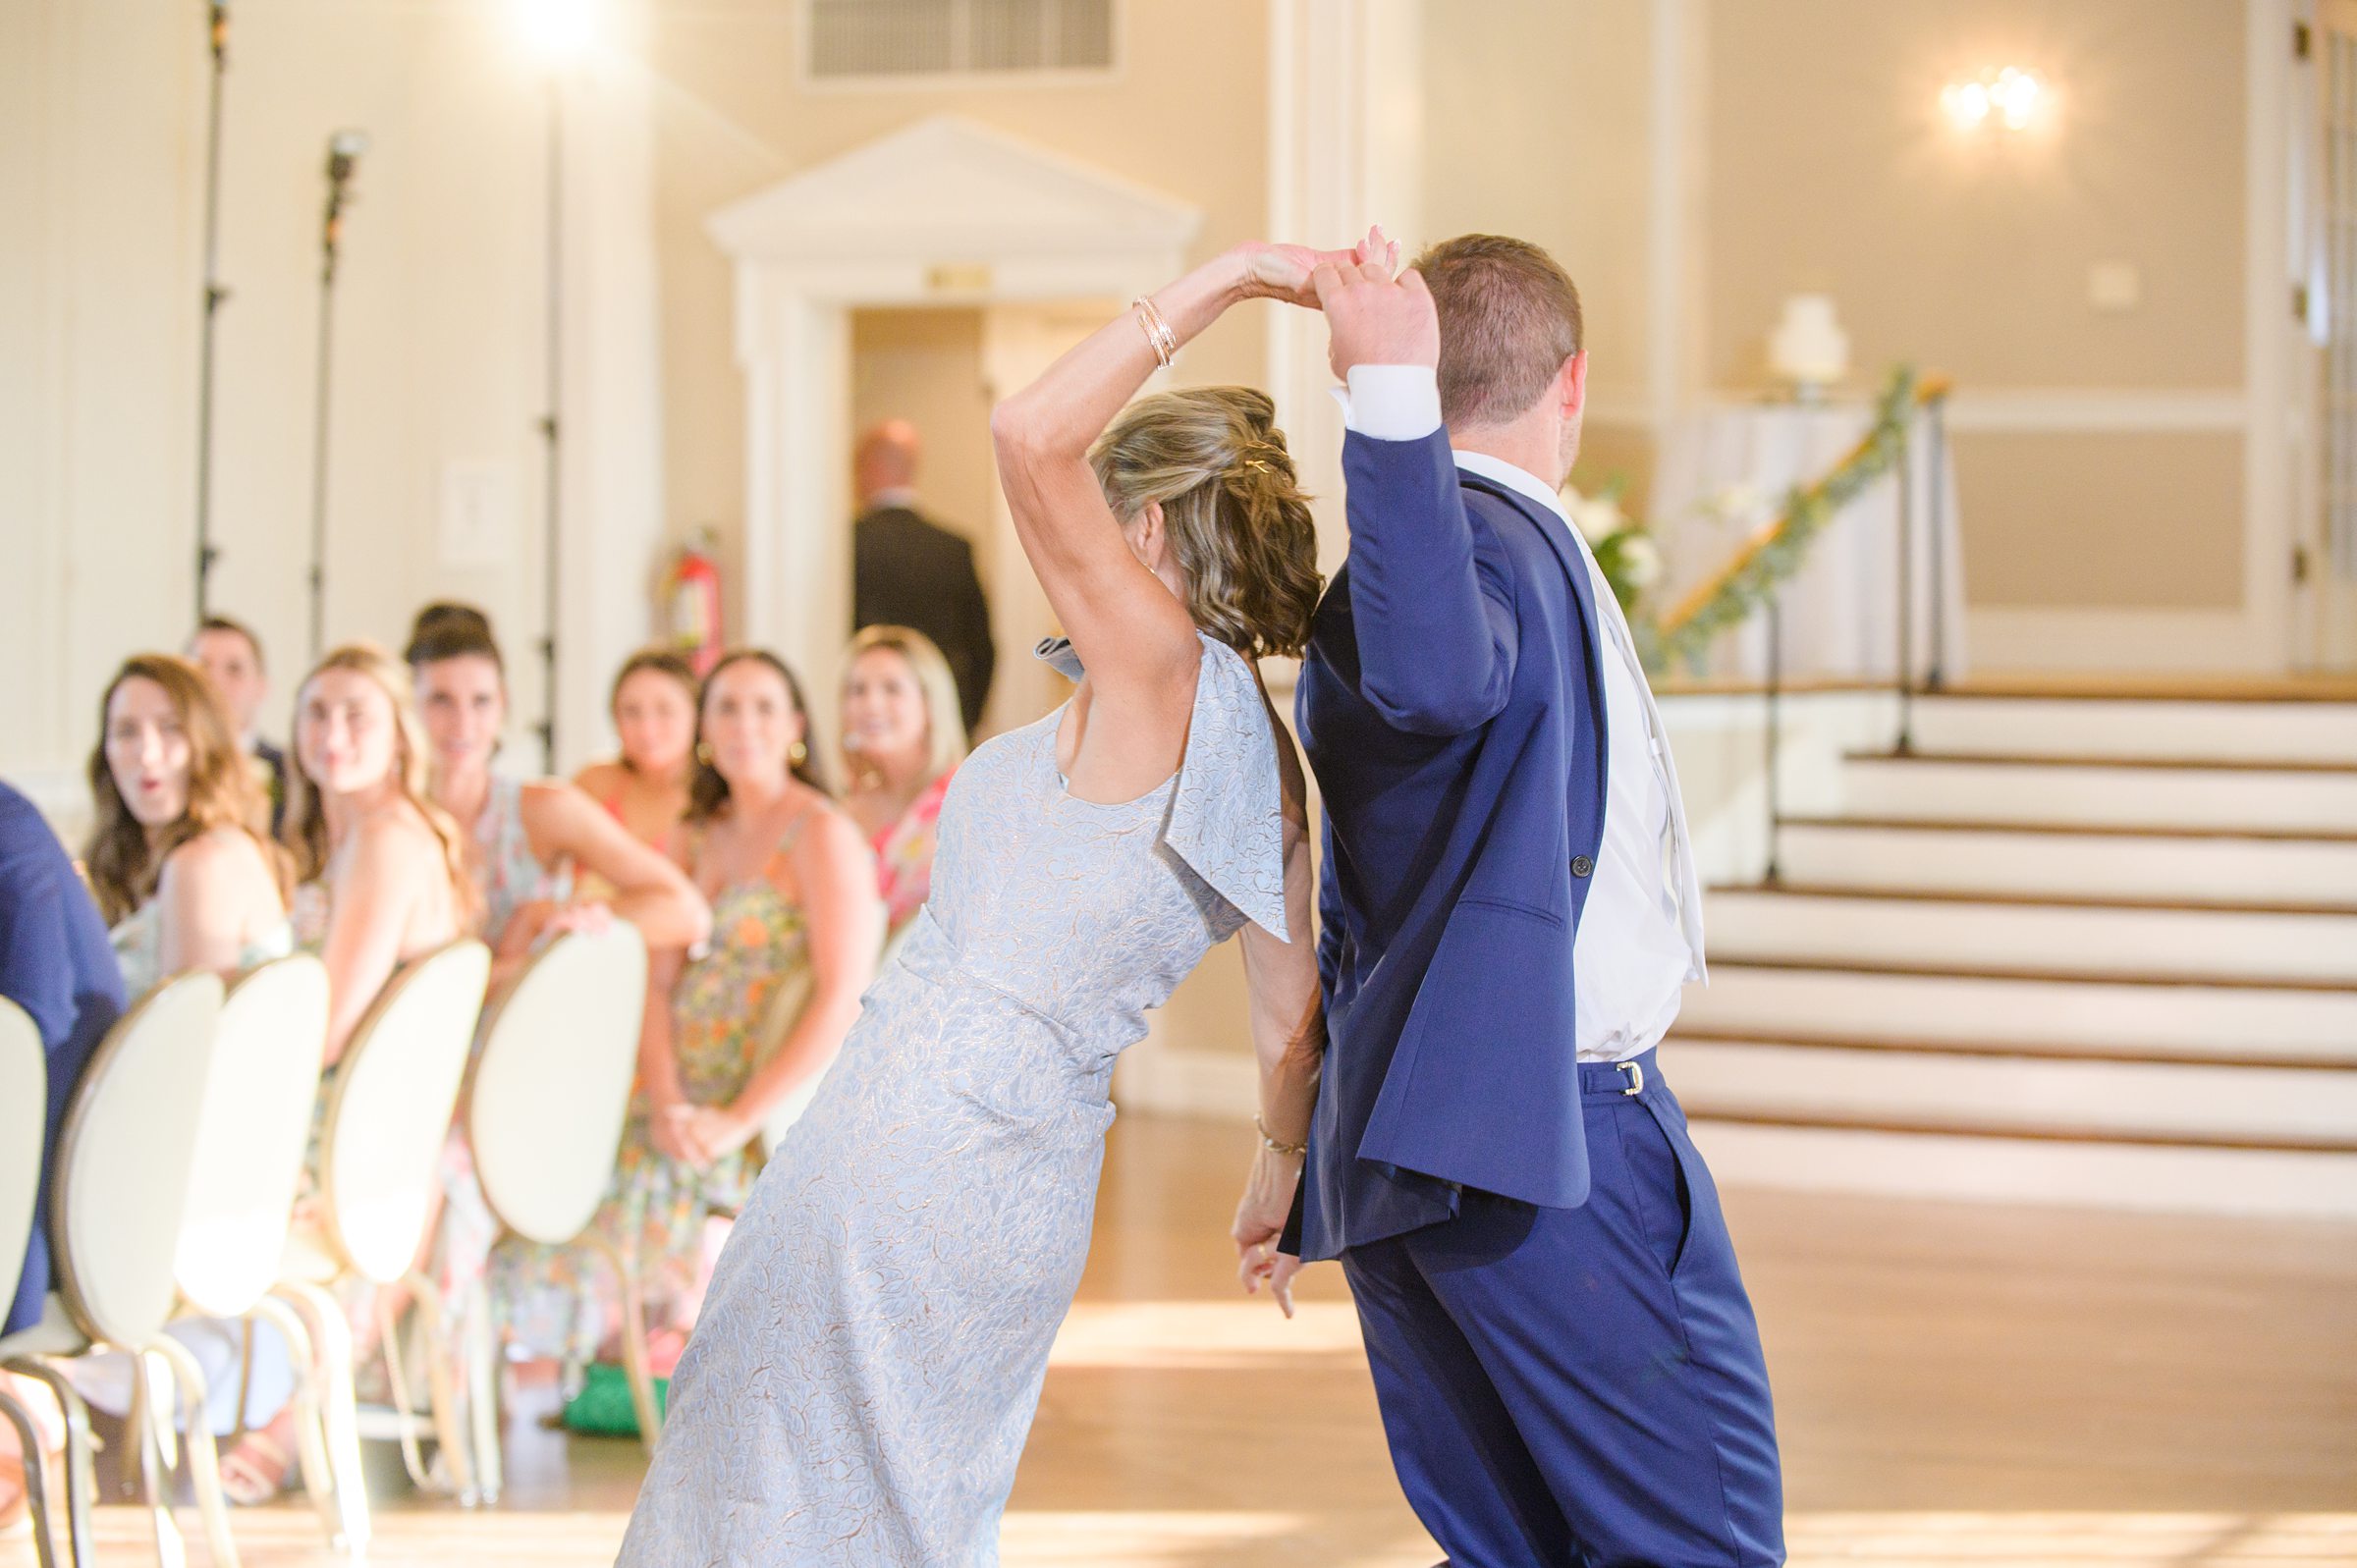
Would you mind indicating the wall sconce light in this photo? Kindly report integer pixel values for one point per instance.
(2010, 98)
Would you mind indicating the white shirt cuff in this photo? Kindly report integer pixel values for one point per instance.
(1392, 403)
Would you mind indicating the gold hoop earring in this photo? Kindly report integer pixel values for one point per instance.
(797, 753)
(703, 752)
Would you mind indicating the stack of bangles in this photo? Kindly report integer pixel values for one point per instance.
(1159, 336)
(1276, 1144)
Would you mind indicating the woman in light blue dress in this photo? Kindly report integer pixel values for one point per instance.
(871, 1351)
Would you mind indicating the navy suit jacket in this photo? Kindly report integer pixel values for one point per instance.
(1452, 707)
(57, 964)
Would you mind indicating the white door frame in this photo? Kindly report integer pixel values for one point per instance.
(941, 213)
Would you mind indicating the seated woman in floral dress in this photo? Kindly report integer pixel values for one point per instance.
(903, 740)
(793, 890)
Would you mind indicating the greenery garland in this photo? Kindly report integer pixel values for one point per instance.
(1807, 510)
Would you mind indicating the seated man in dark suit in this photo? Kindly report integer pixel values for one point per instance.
(908, 571)
(231, 657)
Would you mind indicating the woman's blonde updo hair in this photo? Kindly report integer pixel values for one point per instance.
(1239, 525)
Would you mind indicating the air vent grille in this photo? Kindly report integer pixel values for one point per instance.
(852, 40)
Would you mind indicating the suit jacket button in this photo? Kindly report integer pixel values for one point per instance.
(1582, 865)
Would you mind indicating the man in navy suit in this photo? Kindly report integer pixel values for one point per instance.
(1567, 1364)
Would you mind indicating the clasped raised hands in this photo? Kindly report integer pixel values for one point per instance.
(1375, 314)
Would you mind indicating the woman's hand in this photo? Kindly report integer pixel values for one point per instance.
(1283, 272)
(712, 1133)
(668, 1109)
(1260, 1219)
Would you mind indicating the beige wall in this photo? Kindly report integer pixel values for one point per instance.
(1186, 115)
(1536, 125)
(1831, 168)
(2142, 522)
(438, 333)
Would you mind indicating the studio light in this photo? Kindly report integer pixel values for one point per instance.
(559, 31)
(2009, 99)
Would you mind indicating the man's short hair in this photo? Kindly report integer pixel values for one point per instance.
(1510, 317)
(236, 629)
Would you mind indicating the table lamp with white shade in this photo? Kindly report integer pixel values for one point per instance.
(1808, 350)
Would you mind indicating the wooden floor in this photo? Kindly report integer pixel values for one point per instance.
(1955, 1385)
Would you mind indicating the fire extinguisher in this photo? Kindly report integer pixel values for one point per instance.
(692, 601)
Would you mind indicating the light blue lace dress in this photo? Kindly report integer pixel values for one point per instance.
(870, 1354)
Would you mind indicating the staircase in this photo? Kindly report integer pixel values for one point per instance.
(2075, 949)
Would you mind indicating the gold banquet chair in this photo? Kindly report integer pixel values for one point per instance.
(123, 1163)
(545, 1118)
(250, 1139)
(388, 1117)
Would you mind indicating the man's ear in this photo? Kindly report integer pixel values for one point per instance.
(1571, 385)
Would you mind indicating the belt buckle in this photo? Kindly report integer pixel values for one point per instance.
(1636, 1076)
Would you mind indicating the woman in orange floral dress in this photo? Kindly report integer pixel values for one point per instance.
(793, 887)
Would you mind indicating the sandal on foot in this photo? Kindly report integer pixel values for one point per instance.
(254, 1471)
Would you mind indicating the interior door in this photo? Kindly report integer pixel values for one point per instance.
(2327, 562)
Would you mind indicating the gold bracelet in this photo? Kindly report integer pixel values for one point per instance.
(1276, 1144)
(1159, 336)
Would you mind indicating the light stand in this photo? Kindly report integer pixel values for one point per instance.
(550, 433)
(558, 34)
(214, 295)
(343, 151)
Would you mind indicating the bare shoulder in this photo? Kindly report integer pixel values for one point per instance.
(547, 803)
(217, 859)
(601, 777)
(830, 832)
(396, 832)
(214, 852)
(547, 790)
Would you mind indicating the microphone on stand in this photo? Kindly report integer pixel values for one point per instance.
(344, 149)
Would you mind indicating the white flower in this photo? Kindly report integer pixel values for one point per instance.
(1597, 519)
(1640, 561)
(1737, 503)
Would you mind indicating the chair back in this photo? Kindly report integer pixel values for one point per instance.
(388, 1115)
(123, 1162)
(553, 1084)
(24, 1098)
(251, 1134)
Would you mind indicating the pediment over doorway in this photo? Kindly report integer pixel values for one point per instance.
(949, 185)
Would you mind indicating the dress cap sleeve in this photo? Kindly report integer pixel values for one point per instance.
(1227, 817)
(1058, 654)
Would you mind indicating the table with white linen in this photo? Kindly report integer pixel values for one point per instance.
(1726, 469)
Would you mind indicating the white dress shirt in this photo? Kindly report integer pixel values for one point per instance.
(1640, 936)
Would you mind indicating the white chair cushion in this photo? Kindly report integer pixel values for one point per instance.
(252, 1135)
(24, 1098)
(553, 1087)
(123, 1164)
(389, 1118)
